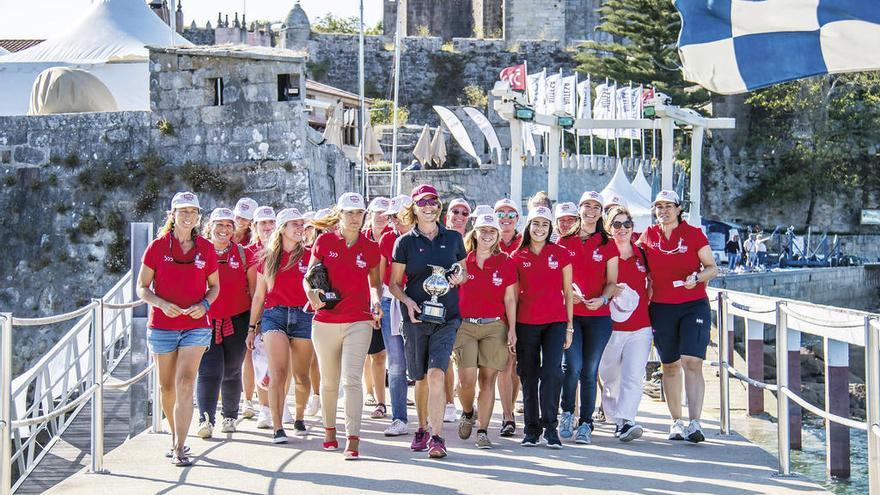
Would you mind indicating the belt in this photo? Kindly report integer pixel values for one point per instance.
(482, 321)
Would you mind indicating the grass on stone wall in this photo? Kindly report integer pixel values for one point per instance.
(202, 178)
(89, 225)
(10, 180)
(447, 85)
(116, 260)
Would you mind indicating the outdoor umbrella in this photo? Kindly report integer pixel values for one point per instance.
(333, 132)
(438, 148)
(422, 151)
(372, 149)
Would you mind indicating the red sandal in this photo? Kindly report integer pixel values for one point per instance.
(352, 454)
(333, 444)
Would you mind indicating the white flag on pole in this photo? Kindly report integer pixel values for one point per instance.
(568, 95)
(552, 102)
(537, 89)
(584, 93)
(603, 109)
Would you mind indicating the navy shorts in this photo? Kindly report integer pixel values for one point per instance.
(681, 329)
(377, 343)
(428, 345)
(293, 322)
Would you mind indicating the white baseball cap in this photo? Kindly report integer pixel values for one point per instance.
(539, 212)
(322, 213)
(245, 208)
(489, 219)
(614, 199)
(482, 210)
(220, 214)
(508, 203)
(566, 209)
(185, 199)
(459, 202)
(287, 215)
(398, 203)
(592, 196)
(666, 196)
(350, 201)
(264, 213)
(308, 216)
(379, 203)
(623, 305)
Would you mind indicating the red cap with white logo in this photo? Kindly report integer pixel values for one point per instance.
(422, 191)
(350, 201)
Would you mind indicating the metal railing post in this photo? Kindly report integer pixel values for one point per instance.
(98, 379)
(872, 405)
(724, 373)
(6, 404)
(156, 425)
(782, 383)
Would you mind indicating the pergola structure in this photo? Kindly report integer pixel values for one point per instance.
(667, 116)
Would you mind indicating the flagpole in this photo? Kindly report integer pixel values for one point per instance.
(614, 116)
(394, 163)
(631, 144)
(577, 132)
(363, 129)
(592, 155)
(641, 131)
(611, 106)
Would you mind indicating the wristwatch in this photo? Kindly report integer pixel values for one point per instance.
(604, 300)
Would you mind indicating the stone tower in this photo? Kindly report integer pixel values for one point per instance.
(534, 20)
(582, 21)
(447, 19)
(488, 18)
(296, 29)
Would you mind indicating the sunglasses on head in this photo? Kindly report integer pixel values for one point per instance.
(509, 214)
(628, 224)
(427, 202)
(460, 212)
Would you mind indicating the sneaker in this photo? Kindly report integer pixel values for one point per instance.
(451, 413)
(437, 447)
(530, 440)
(630, 431)
(676, 431)
(508, 428)
(286, 416)
(584, 435)
(483, 441)
(520, 409)
(695, 432)
(396, 428)
(280, 436)
(206, 428)
(248, 411)
(299, 428)
(420, 441)
(552, 438)
(313, 406)
(228, 425)
(466, 426)
(617, 428)
(565, 427)
(264, 420)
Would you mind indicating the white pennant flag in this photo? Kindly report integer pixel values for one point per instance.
(537, 89)
(603, 109)
(552, 101)
(621, 110)
(568, 95)
(584, 93)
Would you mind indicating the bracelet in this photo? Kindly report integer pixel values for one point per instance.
(206, 304)
(604, 300)
(569, 330)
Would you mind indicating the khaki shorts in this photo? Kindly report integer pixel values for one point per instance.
(481, 345)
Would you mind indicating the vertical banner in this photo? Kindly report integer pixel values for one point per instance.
(537, 89)
(585, 99)
(552, 101)
(603, 109)
(568, 96)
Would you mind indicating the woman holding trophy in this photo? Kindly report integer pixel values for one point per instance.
(432, 258)
(344, 288)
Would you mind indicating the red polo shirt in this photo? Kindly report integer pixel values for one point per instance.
(634, 272)
(369, 233)
(288, 287)
(511, 248)
(181, 279)
(540, 284)
(234, 297)
(254, 250)
(386, 249)
(483, 294)
(674, 259)
(348, 269)
(589, 258)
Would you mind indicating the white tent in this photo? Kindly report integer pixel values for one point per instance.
(641, 184)
(68, 90)
(3, 51)
(110, 42)
(638, 206)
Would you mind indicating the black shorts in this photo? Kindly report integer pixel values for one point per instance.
(681, 329)
(428, 345)
(377, 344)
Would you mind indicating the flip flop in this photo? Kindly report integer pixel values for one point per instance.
(182, 461)
(170, 452)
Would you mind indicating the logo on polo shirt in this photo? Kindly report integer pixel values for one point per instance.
(527, 264)
(597, 256)
(168, 259)
(496, 279)
(360, 261)
(552, 263)
(682, 248)
(302, 266)
(471, 276)
(332, 254)
(640, 266)
(234, 264)
(200, 263)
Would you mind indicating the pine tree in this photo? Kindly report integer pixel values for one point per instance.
(644, 50)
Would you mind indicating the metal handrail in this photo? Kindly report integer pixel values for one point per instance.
(816, 321)
(743, 378)
(858, 425)
(131, 381)
(86, 395)
(49, 320)
(127, 305)
(750, 309)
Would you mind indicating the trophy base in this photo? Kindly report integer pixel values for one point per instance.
(330, 299)
(432, 313)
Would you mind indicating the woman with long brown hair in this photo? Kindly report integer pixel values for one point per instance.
(179, 281)
(508, 381)
(285, 328)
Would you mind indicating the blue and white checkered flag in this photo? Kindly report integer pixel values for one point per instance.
(734, 46)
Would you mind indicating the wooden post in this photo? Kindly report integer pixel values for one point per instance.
(837, 402)
(795, 413)
(755, 363)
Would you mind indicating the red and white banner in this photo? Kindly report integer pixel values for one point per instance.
(516, 76)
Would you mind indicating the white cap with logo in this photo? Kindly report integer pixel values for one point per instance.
(398, 203)
(566, 209)
(623, 305)
(482, 210)
(220, 214)
(287, 215)
(308, 216)
(245, 208)
(322, 213)
(459, 202)
(614, 199)
(591, 196)
(379, 203)
(487, 220)
(507, 202)
(539, 212)
(264, 213)
(185, 199)
(666, 196)
(350, 201)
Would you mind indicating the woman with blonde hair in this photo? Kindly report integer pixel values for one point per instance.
(179, 281)
(285, 328)
(342, 333)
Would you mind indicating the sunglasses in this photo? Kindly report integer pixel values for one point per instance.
(508, 214)
(460, 212)
(427, 202)
(622, 225)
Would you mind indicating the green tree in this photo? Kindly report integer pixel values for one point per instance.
(818, 136)
(345, 25)
(381, 113)
(644, 50)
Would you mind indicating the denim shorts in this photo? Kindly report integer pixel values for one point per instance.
(165, 341)
(293, 322)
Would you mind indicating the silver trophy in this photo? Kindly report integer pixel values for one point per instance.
(435, 286)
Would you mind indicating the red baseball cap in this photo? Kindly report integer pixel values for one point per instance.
(422, 191)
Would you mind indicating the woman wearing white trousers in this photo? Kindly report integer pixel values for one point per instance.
(622, 367)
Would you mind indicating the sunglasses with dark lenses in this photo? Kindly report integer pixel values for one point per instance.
(460, 212)
(427, 202)
(509, 214)
(622, 225)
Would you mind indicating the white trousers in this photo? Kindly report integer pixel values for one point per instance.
(622, 371)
